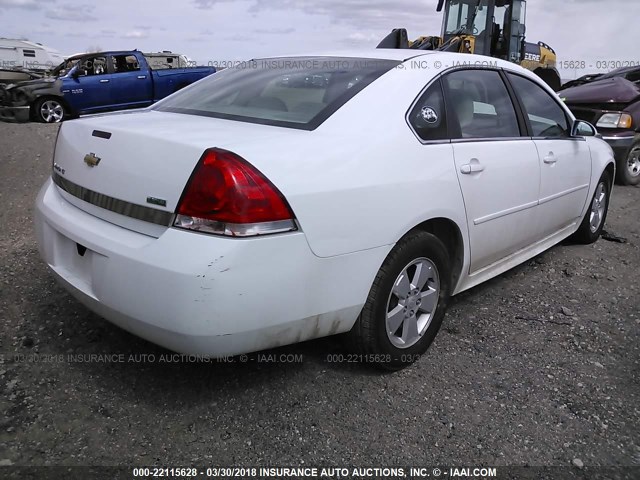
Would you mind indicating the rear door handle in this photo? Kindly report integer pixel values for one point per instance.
(141, 77)
(550, 159)
(104, 81)
(474, 166)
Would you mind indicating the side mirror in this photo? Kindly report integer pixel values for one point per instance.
(75, 73)
(580, 128)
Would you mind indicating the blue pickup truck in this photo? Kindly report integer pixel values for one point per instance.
(95, 82)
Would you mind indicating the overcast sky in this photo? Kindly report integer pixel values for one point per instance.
(219, 30)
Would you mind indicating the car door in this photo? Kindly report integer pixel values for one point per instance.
(129, 84)
(88, 87)
(565, 162)
(497, 166)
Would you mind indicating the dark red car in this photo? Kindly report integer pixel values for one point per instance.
(611, 102)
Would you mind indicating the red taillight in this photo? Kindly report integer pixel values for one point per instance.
(227, 195)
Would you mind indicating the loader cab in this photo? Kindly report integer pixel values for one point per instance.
(486, 27)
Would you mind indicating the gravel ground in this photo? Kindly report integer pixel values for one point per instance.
(536, 367)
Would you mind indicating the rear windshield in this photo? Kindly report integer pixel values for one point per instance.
(288, 92)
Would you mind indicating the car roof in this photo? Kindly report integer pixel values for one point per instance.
(405, 54)
(397, 54)
(93, 54)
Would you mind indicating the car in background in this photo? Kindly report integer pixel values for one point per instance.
(248, 212)
(611, 102)
(95, 82)
(631, 73)
(581, 80)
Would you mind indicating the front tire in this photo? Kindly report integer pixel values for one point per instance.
(594, 220)
(629, 167)
(49, 110)
(406, 304)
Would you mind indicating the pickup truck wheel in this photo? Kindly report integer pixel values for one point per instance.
(629, 167)
(49, 110)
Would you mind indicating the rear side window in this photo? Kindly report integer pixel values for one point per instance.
(125, 63)
(480, 105)
(297, 92)
(428, 117)
(546, 117)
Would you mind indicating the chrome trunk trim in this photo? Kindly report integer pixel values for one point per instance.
(128, 209)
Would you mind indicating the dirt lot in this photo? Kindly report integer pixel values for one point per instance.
(537, 367)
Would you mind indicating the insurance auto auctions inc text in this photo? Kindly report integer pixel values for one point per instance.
(375, 472)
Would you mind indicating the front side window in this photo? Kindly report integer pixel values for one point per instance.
(92, 66)
(64, 67)
(288, 92)
(428, 117)
(546, 117)
(480, 105)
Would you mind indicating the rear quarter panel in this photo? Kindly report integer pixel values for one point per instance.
(362, 179)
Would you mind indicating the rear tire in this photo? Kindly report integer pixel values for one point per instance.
(406, 304)
(596, 216)
(629, 167)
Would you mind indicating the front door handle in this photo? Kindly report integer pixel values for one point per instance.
(141, 77)
(104, 81)
(474, 166)
(550, 159)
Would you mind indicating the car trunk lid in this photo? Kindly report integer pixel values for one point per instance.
(131, 168)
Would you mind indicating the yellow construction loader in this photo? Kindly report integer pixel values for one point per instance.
(495, 28)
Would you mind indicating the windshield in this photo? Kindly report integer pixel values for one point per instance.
(466, 16)
(62, 69)
(630, 73)
(289, 92)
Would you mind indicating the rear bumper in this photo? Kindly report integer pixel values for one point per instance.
(201, 294)
(15, 114)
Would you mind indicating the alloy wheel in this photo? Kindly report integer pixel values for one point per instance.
(51, 111)
(598, 207)
(412, 303)
(633, 162)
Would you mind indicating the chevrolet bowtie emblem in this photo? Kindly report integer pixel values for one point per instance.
(91, 159)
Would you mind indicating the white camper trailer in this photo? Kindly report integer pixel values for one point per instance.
(22, 54)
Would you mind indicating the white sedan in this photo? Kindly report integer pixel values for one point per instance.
(301, 197)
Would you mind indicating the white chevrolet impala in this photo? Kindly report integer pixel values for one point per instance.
(300, 197)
